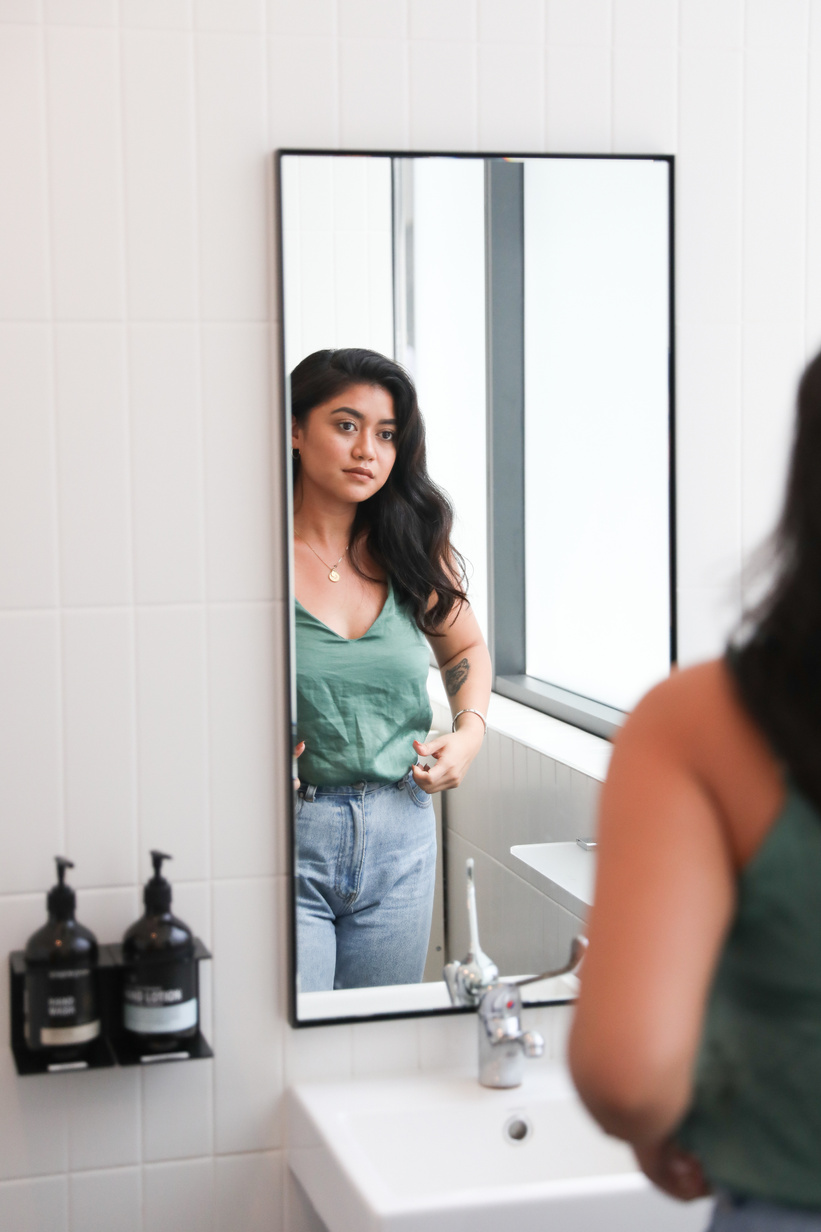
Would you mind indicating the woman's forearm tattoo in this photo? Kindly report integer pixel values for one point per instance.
(456, 676)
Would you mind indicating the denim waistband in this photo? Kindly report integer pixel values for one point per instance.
(311, 790)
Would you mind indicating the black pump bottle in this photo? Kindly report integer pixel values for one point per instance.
(160, 981)
(61, 992)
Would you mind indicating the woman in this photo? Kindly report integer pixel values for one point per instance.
(698, 1032)
(377, 581)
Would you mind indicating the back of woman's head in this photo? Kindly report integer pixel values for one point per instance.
(778, 661)
(406, 525)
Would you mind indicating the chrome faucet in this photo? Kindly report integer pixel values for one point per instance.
(474, 981)
(503, 1044)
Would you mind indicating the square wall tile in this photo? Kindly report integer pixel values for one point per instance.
(372, 19)
(581, 22)
(167, 463)
(442, 95)
(160, 174)
(172, 727)
(303, 92)
(178, 1197)
(645, 23)
(518, 21)
(709, 195)
(712, 24)
(24, 247)
(238, 455)
(155, 14)
(35, 1206)
(769, 23)
(316, 1054)
(373, 92)
(230, 15)
(248, 742)
(20, 11)
(773, 357)
(578, 99)
(248, 1027)
(390, 1047)
(232, 125)
(511, 96)
(309, 17)
(706, 618)
(102, 1201)
(85, 168)
(28, 496)
(708, 450)
(443, 19)
(93, 472)
(101, 828)
(300, 1215)
(645, 112)
(81, 12)
(31, 770)
(249, 1193)
(103, 1118)
(109, 912)
(178, 1105)
(775, 154)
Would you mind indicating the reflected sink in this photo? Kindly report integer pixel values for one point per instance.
(439, 1153)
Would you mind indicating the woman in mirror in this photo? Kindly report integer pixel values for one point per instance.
(698, 1031)
(377, 582)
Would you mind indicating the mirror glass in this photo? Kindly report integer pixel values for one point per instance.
(547, 276)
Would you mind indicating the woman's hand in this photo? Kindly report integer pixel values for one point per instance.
(300, 748)
(453, 751)
(672, 1169)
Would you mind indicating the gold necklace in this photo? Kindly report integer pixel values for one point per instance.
(333, 576)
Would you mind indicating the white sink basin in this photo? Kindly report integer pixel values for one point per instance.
(438, 1153)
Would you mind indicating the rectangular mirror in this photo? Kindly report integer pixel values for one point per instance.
(531, 300)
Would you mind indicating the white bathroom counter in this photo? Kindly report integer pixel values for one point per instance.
(566, 865)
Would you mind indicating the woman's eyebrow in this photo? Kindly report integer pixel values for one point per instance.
(358, 414)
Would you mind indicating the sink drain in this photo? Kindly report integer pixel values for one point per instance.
(517, 1130)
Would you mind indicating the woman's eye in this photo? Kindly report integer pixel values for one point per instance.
(387, 435)
(345, 424)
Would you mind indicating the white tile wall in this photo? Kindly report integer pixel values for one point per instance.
(141, 601)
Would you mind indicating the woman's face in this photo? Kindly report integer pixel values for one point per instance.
(347, 445)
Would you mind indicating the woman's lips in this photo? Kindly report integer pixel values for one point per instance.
(360, 472)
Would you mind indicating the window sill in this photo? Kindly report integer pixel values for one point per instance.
(569, 745)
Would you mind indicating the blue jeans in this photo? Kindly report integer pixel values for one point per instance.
(365, 865)
(738, 1214)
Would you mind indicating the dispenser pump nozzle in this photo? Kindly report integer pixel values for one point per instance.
(157, 893)
(61, 900)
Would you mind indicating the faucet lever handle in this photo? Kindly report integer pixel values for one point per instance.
(578, 949)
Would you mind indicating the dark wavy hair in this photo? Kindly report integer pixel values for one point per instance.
(406, 525)
(776, 655)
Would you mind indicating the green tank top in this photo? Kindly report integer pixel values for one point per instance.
(755, 1121)
(361, 702)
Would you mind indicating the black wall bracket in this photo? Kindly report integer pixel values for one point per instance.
(114, 1045)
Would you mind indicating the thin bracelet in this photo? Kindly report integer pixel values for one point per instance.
(469, 710)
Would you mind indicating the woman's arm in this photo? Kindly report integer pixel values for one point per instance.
(665, 893)
(465, 666)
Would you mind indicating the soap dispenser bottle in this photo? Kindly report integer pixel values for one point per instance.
(61, 1011)
(160, 981)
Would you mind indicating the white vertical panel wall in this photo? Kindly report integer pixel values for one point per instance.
(141, 597)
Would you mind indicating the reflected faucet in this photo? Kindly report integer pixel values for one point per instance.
(467, 980)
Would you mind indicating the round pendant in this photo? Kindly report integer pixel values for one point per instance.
(333, 575)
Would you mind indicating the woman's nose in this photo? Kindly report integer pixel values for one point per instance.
(364, 446)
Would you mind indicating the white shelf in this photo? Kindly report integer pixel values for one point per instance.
(566, 865)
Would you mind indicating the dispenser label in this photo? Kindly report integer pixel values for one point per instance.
(160, 999)
(61, 1007)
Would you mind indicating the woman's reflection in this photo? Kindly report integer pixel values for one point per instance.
(376, 579)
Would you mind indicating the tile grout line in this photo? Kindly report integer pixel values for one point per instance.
(62, 723)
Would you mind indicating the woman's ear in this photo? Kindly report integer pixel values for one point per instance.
(295, 433)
